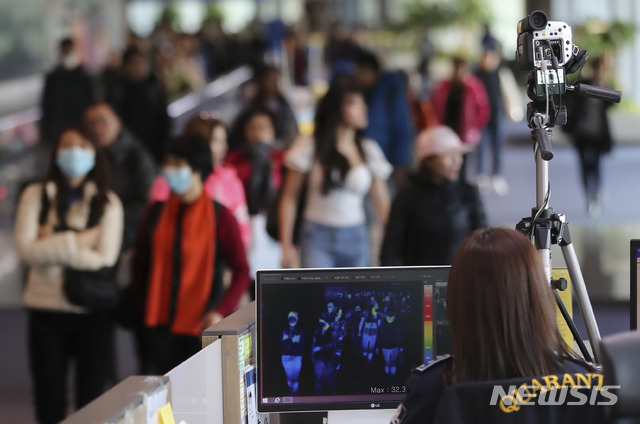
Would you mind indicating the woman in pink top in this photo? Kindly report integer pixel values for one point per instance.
(223, 184)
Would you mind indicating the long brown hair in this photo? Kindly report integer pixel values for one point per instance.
(328, 116)
(501, 310)
(99, 175)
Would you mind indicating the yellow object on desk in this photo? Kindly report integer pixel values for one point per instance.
(165, 415)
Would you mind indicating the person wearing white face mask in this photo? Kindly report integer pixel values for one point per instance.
(67, 91)
(70, 221)
(184, 245)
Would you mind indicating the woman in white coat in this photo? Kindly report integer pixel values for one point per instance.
(52, 238)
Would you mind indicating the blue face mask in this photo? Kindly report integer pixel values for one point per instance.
(75, 162)
(179, 179)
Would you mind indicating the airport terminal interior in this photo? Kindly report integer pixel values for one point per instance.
(151, 68)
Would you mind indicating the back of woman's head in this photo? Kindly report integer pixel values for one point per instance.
(501, 309)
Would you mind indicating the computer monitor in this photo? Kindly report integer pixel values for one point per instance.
(346, 338)
(634, 273)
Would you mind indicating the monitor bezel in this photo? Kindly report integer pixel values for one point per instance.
(317, 407)
(634, 245)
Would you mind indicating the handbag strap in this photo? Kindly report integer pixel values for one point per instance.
(45, 205)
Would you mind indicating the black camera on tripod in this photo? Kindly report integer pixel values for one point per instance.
(546, 49)
(539, 39)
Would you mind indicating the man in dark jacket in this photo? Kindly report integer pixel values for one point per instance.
(139, 99)
(389, 115)
(68, 90)
(435, 211)
(132, 168)
(492, 136)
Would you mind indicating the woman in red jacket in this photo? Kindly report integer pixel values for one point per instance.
(461, 104)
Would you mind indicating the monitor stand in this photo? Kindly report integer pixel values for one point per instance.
(365, 416)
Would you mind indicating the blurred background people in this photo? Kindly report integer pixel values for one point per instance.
(297, 57)
(461, 104)
(132, 167)
(67, 91)
(269, 96)
(343, 167)
(139, 99)
(258, 163)
(223, 184)
(588, 125)
(340, 50)
(184, 246)
(53, 236)
(492, 140)
(389, 116)
(436, 210)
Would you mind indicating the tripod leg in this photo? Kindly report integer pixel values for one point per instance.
(574, 331)
(580, 290)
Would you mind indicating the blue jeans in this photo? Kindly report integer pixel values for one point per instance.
(322, 246)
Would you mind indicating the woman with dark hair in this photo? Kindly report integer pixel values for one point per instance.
(503, 321)
(184, 246)
(342, 167)
(69, 221)
(223, 184)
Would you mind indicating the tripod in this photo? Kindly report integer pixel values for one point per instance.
(546, 227)
(546, 49)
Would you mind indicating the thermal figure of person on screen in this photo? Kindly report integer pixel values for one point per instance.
(369, 324)
(292, 342)
(331, 310)
(339, 327)
(323, 354)
(353, 323)
(390, 340)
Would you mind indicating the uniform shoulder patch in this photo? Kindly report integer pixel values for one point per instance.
(440, 361)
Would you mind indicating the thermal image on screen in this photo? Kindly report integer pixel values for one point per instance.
(351, 340)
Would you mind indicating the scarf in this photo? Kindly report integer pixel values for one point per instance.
(197, 259)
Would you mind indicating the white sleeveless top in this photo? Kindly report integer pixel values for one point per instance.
(342, 206)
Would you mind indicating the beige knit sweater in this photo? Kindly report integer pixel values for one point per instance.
(47, 257)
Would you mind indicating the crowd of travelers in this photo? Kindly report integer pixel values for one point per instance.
(179, 224)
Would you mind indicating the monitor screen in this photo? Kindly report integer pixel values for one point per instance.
(346, 338)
